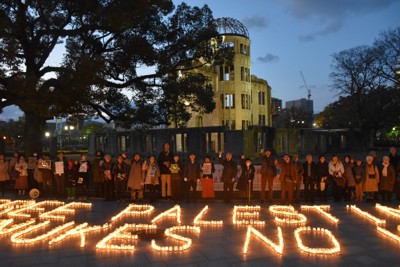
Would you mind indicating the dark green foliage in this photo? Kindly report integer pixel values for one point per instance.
(103, 43)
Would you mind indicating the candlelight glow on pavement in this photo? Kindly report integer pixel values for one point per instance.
(277, 247)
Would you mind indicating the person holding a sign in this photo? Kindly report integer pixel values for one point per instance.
(71, 175)
(207, 179)
(151, 176)
(21, 184)
(83, 175)
(98, 178)
(107, 171)
(176, 178)
(60, 166)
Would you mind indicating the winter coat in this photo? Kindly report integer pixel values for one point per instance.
(322, 170)
(192, 171)
(313, 176)
(387, 182)
(359, 174)
(349, 175)
(120, 172)
(4, 176)
(246, 175)
(152, 173)
(136, 175)
(300, 170)
(164, 161)
(288, 172)
(268, 168)
(229, 171)
(22, 167)
(371, 178)
(107, 171)
(96, 171)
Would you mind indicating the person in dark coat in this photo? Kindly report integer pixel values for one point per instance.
(359, 177)
(394, 160)
(60, 174)
(107, 171)
(388, 176)
(71, 177)
(164, 163)
(191, 174)
(268, 173)
(300, 171)
(83, 175)
(228, 175)
(310, 178)
(120, 173)
(245, 182)
(176, 169)
(322, 178)
(96, 173)
(288, 178)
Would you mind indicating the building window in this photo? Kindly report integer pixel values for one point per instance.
(199, 121)
(245, 74)
(229, 100)
(180, 142)
(261, 120)
(150, 143)
(261, 98)
(122, 143)
(226, 73)
(245, 101)
(244, 49)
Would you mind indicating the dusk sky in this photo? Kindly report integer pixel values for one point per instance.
(289, 36)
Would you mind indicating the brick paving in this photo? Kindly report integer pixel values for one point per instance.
(361, 244)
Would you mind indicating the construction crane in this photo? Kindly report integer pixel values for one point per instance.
(305, 84)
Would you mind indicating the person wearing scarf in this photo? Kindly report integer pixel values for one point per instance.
(388, 177)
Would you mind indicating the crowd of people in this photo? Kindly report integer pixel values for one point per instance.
(169, 177)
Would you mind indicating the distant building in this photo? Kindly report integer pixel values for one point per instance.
(306, 105)
(276, 104)
(299, 113)
(242, 99)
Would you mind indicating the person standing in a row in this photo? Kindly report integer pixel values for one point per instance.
(245, 183)
(207, 179)
(268, 173)
(164, 163)
(228, 175)
(191, 176)
(309, 178)
(4, 176)
(288, 178)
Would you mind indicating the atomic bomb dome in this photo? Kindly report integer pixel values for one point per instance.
(231, 26)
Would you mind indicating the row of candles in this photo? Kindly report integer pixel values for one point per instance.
(242, 215)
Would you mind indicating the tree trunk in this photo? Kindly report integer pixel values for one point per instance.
(33, 132)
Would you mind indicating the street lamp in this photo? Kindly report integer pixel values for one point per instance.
(47, 134)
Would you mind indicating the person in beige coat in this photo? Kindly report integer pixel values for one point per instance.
(4, 176)
(371, 179)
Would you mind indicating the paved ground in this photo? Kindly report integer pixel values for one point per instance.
(361, 244)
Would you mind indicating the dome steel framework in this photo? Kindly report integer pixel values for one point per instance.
(230, 26)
